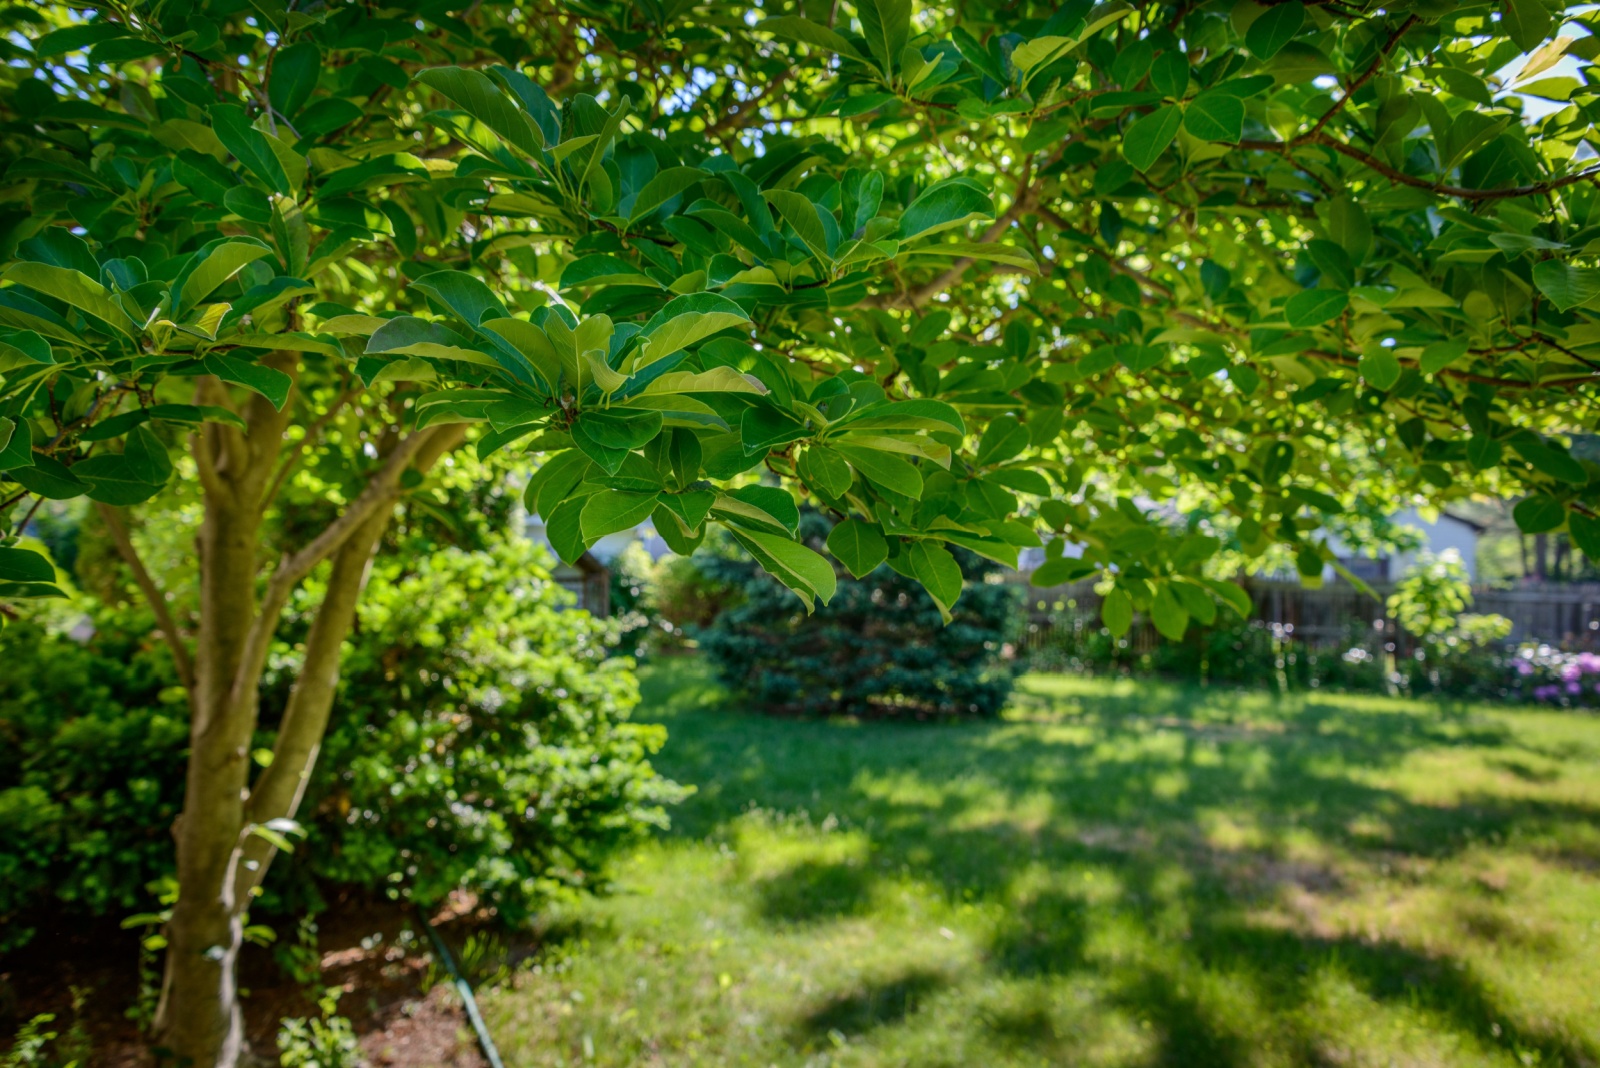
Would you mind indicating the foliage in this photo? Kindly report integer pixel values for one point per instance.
(879, 648)
(482, 738)
(962, 275)
(1289, 296)
(1115, 874)
(90, 779)
(325, 1041)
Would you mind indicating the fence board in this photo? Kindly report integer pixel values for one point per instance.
(1567, 615)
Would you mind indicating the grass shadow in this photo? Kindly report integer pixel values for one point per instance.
(873, 1004)
(812, 891)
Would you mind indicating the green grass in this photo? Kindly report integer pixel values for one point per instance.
(1114, 874)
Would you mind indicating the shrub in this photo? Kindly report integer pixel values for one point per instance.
(877, 649)
(481, 739)
(91, 775)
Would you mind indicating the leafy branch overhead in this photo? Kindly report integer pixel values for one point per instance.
(1144, 282)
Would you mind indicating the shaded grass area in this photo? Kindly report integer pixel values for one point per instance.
(1113, 874)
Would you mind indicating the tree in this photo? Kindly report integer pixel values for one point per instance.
(968, 274)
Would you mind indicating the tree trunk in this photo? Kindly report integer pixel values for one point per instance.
(220, 861)
(198, 1018)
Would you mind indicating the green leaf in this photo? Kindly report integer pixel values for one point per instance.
(801, 214)
(473, 92)
(133, 476)
(1441, 354)
(1215, 115)
(1539, 514)
(1116, 612)
(294, 75)
(16, 444)
(1483, 452)
(886, 24)
(1567, 287)
(1003, 438)
(1552, 461)
(213, 266)
(620, 429)
(982, 251)
(805, 572)
(662, 188)
(1232, 594)
(686, 321)
(270, 382)
(1149, 135)
(49, 478)
(1380, 367)
(937, 570)
(1526, 22)
(951, 203)
(1170, 617)
(250, 147)
(118, 425)
(1313, 307)
(73, 288)
(883, 469)
(1274, 28)
(859, 546)
(826, 472)
(918, 414)
(78, 38)
(1169, 75)
(607, 513)
(1060, 571)
(25, 565)
(1585, 533)
(807, 32)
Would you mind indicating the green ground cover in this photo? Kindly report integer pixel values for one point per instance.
(1112, 874)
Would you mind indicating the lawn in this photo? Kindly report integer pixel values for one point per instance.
(1113, 874)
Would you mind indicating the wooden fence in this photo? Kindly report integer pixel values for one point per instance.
(1338, 615)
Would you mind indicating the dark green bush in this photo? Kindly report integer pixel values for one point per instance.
(480, 740)
(878, 648)
(91, 774)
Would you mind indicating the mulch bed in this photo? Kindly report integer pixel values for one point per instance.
(402, 1005)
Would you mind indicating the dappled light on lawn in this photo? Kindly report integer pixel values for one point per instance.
(1112, 874)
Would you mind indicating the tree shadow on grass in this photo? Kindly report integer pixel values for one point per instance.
(873, 1004)
(812, 891)
(1123, 783)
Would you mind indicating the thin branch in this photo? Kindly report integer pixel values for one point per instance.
(1366, 75)
(1022, 202)
(745, 111)
(298, 449)
(1394, 174)
(152, 594)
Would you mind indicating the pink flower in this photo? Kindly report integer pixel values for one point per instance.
(1589, 664)
(1574, 688)
(1571, 672)
(1523, 667)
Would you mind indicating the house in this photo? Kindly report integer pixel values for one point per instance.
(1447, 532)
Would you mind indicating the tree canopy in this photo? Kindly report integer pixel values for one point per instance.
(977, 274)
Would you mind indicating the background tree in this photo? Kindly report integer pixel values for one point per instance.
(962, 275)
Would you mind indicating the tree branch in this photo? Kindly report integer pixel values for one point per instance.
(382, 491)
(152, 594)
(1366, 75)
(1020, 203)
(1394, 174)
